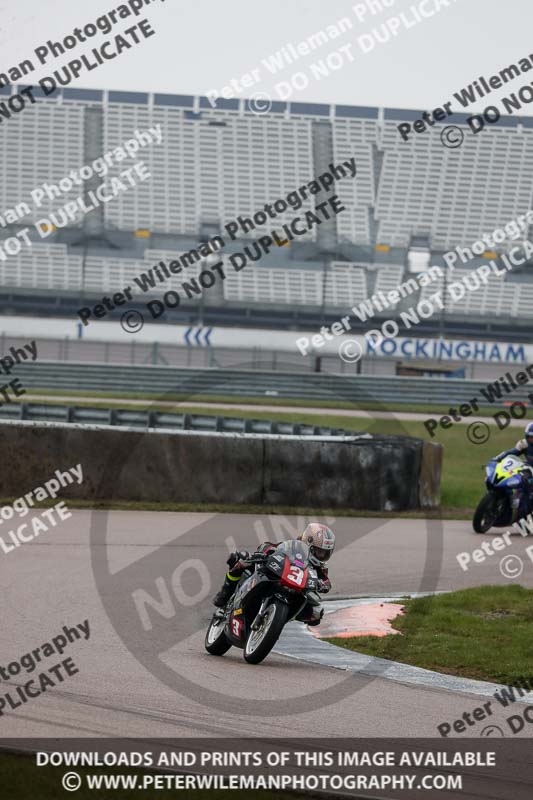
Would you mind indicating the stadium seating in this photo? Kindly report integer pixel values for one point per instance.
(216, 164)
(498, 297)
(263, 285)
(356, 138)
(388, 277)
(452, 196)
(113, 274)
(40, 146)
(44, 266)
(345, 282)
(342, 284)
(211, 167)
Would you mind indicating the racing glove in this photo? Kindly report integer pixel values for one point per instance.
(324, 586)
(238, 555)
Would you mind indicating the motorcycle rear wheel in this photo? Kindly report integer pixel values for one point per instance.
(260, 642)
(485, 514)
(216, 642)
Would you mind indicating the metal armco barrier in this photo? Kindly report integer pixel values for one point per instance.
(160, 419)
(191, 382)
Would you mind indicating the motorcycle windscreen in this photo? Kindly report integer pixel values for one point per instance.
(297, 552)
(295, 568)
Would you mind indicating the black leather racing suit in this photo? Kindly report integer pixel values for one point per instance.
(237, 563)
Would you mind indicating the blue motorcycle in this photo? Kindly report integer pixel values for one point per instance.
(503, 478)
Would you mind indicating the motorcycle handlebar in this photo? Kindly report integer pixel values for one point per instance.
(255, 558)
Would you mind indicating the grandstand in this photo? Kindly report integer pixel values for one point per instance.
(218, 163)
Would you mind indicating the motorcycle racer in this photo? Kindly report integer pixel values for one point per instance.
(321, 542)
(522, 496)
(524, 447)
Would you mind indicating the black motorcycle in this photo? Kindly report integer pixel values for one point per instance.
(274, 589)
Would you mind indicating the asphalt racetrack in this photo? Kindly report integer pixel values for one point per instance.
(123, 686)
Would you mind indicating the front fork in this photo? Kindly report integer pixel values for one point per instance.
(256, 624)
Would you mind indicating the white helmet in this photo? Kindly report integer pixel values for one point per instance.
(321, 542)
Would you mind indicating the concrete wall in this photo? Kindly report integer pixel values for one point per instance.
(359, 472)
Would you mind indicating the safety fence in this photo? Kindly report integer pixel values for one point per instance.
(187, 383)
(143, 418)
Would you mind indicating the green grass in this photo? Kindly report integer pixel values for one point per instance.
(462, 480)
(482, 633)
(264, 399)
(21, 778)
(108, 398)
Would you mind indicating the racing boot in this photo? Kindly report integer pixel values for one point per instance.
(515, 507)
(315, 617)
(228, 587)
(528, 479)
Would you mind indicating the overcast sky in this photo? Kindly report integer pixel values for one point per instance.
(202, 45)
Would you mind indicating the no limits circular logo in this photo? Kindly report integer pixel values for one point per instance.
(160, 603)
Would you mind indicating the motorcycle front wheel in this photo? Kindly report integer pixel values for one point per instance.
(486, 513)
(216, 641)
(260, 642)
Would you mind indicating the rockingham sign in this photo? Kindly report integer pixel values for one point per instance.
(450, 350)
(326, 341)
(414, 348)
